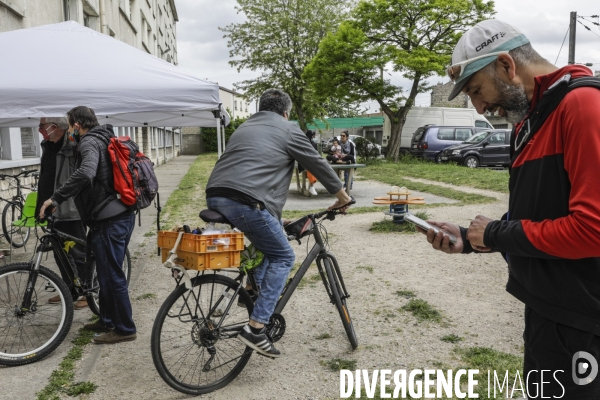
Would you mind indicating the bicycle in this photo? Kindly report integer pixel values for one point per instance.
(30, 327)
(13, 211)
(193, 341)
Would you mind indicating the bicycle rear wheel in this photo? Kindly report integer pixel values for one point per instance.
(28, 336)
(338, 297)
(194, 351)
(92, 297)
(15, 235)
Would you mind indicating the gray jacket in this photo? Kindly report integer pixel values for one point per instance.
(259, 161)
(65, 166)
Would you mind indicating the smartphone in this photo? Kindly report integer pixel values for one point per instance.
(424, 225)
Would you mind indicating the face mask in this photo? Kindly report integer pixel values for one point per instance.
(74, 136)
(314, 140)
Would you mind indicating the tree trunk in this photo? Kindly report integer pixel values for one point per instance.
(395, 138)
(301, 119)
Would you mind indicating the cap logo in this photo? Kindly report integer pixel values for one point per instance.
(491, 40)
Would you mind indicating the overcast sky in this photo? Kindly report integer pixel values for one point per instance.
(203, 51)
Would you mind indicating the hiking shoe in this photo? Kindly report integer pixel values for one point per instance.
(80, 304)
(54, 300)
(260, 342)
(113, 337)
(312, 191)
(97, 326)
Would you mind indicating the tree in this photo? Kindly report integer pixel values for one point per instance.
(415, 37)
(279, 38)
(209, 135)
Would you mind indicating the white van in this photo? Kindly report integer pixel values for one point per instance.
(443, 116)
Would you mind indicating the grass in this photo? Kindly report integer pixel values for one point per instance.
(324, 336)
(338, 364)
(149, 233)
(422, 310)
(452, 338)
(486, 359)
(480, 178)
(389, 226)
(189, 198)
(407, 294)
(366, 268)
(146, 296)
(62, 379)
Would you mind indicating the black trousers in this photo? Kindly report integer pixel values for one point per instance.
(549, 349)
(76, 253)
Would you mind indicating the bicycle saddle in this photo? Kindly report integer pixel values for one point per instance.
(213, 216)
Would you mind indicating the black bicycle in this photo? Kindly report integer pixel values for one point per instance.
(194, 338)
(30, 326)
(13, 211)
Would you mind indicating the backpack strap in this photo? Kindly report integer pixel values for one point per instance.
(545, 107)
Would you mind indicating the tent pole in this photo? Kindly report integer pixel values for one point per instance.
(223, 128)
(219, 137)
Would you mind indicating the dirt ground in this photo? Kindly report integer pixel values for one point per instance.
(467, 289)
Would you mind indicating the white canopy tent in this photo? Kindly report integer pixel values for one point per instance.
(124, 85)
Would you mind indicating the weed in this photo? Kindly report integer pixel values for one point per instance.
(366, 268)
(338, 364)
(423, 311)
(146, 296)
(324, 336)
(149, 233)
(407, 294)
(61, 379)
(452, 338)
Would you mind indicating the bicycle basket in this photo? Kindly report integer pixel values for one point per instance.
(299, 228)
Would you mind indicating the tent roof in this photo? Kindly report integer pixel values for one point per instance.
(50, 69)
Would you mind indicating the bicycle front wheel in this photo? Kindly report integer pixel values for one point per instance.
(194, 339)
(338, 296)
(29, 335)
(16, 235)
(92, 296)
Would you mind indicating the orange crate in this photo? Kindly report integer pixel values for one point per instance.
(202, 252)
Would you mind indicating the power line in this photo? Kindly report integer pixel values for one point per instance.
(588, 28)
(561, 46)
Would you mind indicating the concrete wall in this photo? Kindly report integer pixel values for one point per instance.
(440, 93)
(191, 141)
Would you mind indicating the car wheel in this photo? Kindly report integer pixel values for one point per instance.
(472, 162)
(438, 158)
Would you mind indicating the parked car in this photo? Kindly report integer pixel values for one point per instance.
(428, 141)
(482, 149)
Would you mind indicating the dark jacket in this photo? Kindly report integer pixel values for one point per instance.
(551, 234)
(64, 168)
(90, 183)
(259, 161)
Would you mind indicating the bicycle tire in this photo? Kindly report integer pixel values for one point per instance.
(17, 236)
(340, 303)
(92, 298)
(43, 328)
(179, 340)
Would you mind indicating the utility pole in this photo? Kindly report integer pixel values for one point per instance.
(572, 27)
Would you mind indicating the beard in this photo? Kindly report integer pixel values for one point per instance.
(513, 99)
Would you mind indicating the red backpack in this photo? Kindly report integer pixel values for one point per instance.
(133, 173)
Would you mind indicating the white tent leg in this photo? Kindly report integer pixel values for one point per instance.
(218, 137)
(223, 127)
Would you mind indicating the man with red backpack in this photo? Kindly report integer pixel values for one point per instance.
(110, 221)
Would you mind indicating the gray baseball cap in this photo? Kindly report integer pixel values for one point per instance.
(478, 47)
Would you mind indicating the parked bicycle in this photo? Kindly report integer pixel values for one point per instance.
(31, 327)
(194, 338)
(13, 211)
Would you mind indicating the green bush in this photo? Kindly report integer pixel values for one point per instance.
(362, 149)
(209, 135)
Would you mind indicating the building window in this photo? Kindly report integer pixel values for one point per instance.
(235, 105)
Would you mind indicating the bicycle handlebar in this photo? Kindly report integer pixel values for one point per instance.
(334, 211)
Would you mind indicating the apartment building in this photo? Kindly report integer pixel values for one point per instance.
(149, 25)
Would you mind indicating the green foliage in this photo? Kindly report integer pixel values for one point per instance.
(365, 149)
(407, 294)
(389, 226)
(413, 37)
(338, 364)
(423, 311)
(452, 338)
(279, 38)
(209, 135)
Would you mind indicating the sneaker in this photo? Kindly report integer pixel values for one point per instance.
(312, 191)
(54, 300)
(97, 326)
(113, 337)
(260, 342)
(80, 304)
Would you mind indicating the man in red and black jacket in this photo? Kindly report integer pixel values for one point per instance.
(550, 236)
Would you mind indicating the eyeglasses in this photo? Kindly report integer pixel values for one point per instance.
(41, 126)
(342, 135)
(455, 71)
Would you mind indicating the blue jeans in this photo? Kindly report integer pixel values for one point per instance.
(266, 233)
(109, 239)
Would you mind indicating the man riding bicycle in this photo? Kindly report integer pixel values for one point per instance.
(249, 186)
